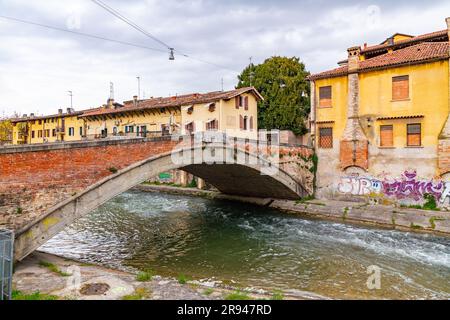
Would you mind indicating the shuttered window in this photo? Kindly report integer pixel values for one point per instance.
(325, 138)
(400, 88)
(246, 103)
(386, 136)
(414, 133)
(325, 97)
(212, 125)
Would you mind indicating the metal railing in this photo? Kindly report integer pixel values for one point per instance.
(6, 263)
(123, 135)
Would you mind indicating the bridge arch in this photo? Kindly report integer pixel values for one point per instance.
(236, 179)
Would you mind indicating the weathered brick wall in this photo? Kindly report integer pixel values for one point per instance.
(32, 182)
(354, 153)
(444, 156)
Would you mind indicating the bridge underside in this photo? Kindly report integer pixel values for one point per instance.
(244, 181)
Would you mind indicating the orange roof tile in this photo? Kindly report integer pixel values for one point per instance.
(419, 53)
(175, 101)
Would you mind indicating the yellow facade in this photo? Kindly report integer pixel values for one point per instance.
(428, 98)
(64, 127)
(227, 115)
(136, 119)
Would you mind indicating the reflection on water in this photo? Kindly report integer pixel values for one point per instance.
(255, 246)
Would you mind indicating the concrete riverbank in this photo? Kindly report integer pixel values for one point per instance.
(43, 276)
(404, 219)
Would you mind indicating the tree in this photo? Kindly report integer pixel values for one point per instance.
(282, 82)
(6, 128)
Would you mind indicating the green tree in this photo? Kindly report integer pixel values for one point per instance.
(282, 82)
(6, 129)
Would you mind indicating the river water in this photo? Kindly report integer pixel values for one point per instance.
(249, 246)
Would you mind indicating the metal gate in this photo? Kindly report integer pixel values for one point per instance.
(6, 263)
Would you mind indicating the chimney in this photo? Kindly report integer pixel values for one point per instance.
(353, 58)
(110, 103)
(59, 111)
(69, 110)
(135, 100)
(447, 20)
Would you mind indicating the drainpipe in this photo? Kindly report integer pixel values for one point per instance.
(313, 115)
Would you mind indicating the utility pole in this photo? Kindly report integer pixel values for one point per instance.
(71, 98)
(252, 74)
(139, 87)
(111, 90)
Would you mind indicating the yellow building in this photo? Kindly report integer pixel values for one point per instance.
(42, 129)
(382, 116)
(233, 112)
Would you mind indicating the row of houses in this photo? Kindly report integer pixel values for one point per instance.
(234, 112)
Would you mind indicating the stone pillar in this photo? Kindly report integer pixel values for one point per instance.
(200, 183)
(183, 178)
(354, 146)
(443, 151)
(313, 115)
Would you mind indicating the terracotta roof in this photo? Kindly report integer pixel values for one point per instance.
(175, 101)
(423, 37)
(419, 53)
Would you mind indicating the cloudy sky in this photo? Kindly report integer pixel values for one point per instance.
(38, 65)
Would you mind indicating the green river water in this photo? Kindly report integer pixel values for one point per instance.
(248, 246)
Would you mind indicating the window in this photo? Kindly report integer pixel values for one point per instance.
(54, 132)
(325, 97)
(386, 136)
(212, 125)
(245, 123)
(71, 131)
(400, 88)
(190, 127)
(241, 101)
(47, 133)
(190, 110)
(326, 138)
(39, 133)
(81, 131)
(129, 129)
(32, 134)
(414, 135)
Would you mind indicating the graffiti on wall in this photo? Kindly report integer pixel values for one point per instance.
(408, 186)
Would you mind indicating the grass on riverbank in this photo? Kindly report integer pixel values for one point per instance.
(144, 276)
(138, 294)
(237, 295)
(19, 295)
(53, 268)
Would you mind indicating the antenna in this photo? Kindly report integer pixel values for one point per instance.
(171, 55)
(111, 91)
(139, 86)
(221, 80)
(71, 98)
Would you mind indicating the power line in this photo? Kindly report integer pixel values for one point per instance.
(148, 34)
(129, 22)
(81, 33)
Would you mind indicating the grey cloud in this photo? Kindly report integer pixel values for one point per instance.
(39, 65)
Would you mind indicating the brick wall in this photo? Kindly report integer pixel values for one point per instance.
(33, 181)
(354, 153)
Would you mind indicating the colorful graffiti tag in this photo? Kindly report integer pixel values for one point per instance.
(407, 187)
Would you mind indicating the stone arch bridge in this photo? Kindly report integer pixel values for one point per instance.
(44, 188)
